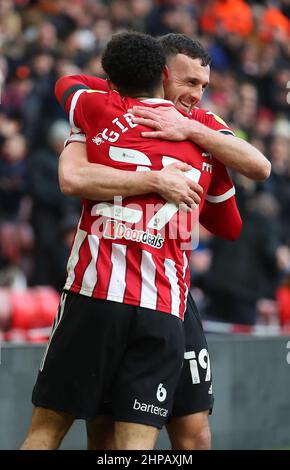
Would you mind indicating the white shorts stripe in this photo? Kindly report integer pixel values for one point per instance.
(185, 264)
(148, 287)
(90, 276)
(54, 327)
(171, 273)
(117, 284)
(74, 257)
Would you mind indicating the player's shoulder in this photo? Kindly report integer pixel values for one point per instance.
(210, 119)
(108, 97)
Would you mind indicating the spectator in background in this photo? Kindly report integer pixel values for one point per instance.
(279, 184)
(222, 17)
(247, 271)
(39, 111)
(50, 209)
(15, 233)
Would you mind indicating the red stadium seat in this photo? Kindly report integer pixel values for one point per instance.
(33, 308)
(283, 299)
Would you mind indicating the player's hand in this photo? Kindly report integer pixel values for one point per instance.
(167, 122)
(175, 187)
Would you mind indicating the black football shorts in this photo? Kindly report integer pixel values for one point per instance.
(107, 352)
(194, 390)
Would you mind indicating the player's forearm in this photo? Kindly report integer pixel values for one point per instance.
(78, 177)
(232, 151)
(98, 182)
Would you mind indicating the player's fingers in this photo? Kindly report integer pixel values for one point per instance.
(147, 122)
(195, 187)
(181, 166)
(194, 196)
(143, 112)
(184, 207)
(153, 134)
(193, 207)
(188, 205)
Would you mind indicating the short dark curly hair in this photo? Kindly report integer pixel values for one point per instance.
(134, 63)
(174, 44)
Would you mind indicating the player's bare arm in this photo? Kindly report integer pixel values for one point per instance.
(232, 151)
(78, 177)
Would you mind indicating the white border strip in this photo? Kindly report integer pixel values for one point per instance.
(223, 197)
(72, 108)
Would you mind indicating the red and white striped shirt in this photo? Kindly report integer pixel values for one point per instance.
(135, 251)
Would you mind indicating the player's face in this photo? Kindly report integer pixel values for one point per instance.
(186, 81)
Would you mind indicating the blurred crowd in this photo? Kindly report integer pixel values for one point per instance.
(246, 281)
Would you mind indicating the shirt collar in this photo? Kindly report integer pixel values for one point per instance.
(156, 101)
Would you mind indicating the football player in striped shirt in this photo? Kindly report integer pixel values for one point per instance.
(188, 77)
(118, 335)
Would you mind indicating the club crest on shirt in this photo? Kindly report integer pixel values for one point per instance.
(98, 139)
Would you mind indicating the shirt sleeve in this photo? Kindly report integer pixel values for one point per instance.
(77, 136)
(71, 92)
(223, 220)
(66, 86)
(211, 120)
(220, 214)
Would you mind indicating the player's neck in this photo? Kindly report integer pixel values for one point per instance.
(146, 96)
(158, 93)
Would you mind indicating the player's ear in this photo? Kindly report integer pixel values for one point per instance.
(111, 85)
(165, 74)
